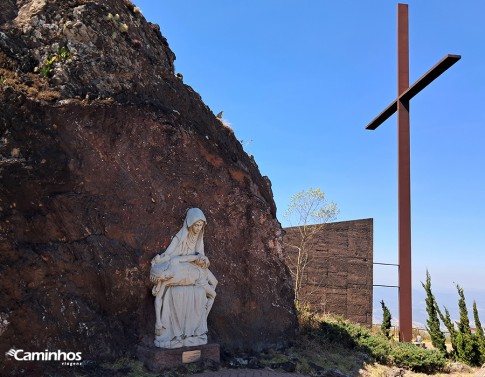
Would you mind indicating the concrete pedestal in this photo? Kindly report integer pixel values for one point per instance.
(157, 359)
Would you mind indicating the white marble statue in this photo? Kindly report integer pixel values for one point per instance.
(184, 287)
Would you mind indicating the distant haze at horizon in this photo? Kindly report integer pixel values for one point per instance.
(443, 285)
(443, 298)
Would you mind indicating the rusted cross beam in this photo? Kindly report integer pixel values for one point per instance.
(419, 85)
(401, 105)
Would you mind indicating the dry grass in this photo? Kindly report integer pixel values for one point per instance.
(35, 87)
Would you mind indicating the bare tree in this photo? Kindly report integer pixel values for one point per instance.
(308, 210)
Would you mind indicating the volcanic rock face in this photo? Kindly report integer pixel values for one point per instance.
(102, 151)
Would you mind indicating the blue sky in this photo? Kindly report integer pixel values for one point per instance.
(299, 81)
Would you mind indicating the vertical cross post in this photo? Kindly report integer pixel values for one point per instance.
(404, 177)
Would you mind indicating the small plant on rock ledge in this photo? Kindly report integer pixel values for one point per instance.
(46, 70)
(47, 66)
(63, 53)
(117, 23)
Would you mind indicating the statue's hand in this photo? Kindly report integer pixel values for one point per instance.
(156, 259)
(156, 289)
(159, 258)
(203, 261)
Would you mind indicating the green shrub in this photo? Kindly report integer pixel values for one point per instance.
(334, 333)
(417, 359)
(468, 350)
(378, 345)
(355, 336)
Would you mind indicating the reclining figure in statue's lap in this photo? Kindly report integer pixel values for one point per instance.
(181, 271)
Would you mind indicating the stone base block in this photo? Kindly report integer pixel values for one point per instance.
(157, 359)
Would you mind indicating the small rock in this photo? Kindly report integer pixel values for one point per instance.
(334, 373)
(481, 372)
(315, 366)
(254, 363)
(15, 152)
(78, 11)
(209, 364)
(238, 362)
(287, 366)
(395, 372)
(458, 367)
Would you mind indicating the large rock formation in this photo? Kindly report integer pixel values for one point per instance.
(102, 151)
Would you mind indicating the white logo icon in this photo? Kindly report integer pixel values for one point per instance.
(11, 353)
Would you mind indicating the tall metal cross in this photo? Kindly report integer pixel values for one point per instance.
(401, 105)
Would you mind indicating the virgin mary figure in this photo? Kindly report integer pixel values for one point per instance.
(184, 287)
